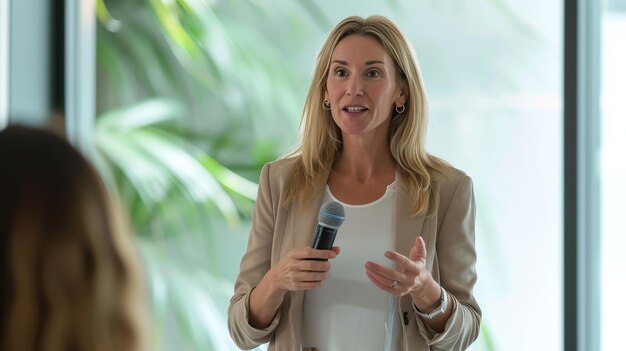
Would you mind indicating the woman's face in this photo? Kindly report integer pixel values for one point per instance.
(362, 86)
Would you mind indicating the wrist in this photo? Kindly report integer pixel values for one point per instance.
(265, 300)
(437, 311)
(429, 297)
(272, 286)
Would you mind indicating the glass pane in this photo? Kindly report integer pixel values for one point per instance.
(612, 172)
(495, 89)
(493, 75)
(177, 83)
(4, 63)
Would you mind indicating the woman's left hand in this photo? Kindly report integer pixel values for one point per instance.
(411, 276)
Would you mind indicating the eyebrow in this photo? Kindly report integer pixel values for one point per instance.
(366, 63)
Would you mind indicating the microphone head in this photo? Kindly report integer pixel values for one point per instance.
(332, 214)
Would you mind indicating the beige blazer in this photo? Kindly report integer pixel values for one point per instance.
(451, 259)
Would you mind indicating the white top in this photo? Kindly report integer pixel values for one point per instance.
(349, 312)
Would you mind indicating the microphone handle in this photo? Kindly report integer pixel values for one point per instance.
(324, 239)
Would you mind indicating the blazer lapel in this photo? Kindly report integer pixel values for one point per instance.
(406, 226)
(301, 229)
(304, 219)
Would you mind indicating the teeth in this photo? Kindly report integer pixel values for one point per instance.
(355, 108)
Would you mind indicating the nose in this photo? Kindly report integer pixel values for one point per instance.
(354, 87)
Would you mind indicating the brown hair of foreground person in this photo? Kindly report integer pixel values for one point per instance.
(69, 274)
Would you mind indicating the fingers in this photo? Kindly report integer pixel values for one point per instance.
(303, 268)
(308, 277)
(307, 253)
(389, 273)
(295, 277)
(300, 280)
(402, 263)
(408, 274)
(400, 260)
(417, 258)
(311, 266)
(313, 276)
(382, 279)
(418, 251)
(384, 283)
(307, 285)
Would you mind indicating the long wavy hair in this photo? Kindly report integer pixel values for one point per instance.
(69, 274)
(321, 141)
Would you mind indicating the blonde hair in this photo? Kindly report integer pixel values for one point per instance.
(70, 275)
(321, 141)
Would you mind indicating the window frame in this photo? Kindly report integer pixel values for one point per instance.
(80, 73)
(581, 121)
(581, 212)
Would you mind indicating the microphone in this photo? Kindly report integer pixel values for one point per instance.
(331, 217)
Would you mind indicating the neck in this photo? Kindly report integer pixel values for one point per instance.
(363, 160)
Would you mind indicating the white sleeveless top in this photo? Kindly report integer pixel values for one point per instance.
(349, 312)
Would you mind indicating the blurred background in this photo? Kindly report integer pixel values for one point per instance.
(179, 103)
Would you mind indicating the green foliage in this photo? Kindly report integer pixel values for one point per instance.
(189, 99)
(135, 148)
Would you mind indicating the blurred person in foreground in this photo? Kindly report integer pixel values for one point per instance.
(406, 272)
(69, 274)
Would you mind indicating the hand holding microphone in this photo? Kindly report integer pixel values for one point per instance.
(308, 267)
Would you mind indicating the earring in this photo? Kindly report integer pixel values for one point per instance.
(400, 109)
(326, 105)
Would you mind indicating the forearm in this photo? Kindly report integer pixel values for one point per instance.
(265, 299)
(459, 325)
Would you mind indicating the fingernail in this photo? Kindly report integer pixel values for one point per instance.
(333, 254)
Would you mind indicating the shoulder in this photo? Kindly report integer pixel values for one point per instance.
(276, 174)
(449, 176)
(281, 169)
(448, 180)
(283, 166)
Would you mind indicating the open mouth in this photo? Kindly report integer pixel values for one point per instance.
(355, 108)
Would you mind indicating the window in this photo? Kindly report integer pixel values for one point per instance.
(4, 63)
(493, 75)
(612, 171)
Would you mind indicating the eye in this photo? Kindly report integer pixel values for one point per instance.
(373, 73)
(341, 73)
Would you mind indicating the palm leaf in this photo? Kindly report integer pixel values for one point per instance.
(157, 162)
